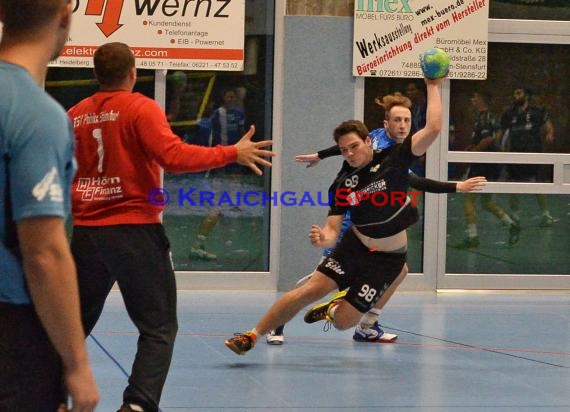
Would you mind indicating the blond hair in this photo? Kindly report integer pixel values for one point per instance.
(391, 100)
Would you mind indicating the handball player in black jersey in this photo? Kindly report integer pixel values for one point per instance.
(371, 258)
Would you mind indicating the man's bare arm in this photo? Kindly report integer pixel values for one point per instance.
(52, 282)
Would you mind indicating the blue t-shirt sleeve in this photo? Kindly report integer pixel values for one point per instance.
(380, 139)
(41, 165)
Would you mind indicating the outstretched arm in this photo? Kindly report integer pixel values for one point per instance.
(423, 138)
(176, 156)
(435, 186)
(473, 184)
(251, 154)
(313, 159)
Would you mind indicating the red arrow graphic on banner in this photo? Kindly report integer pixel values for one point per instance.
(111, 17)
(94, 7)
(111, 14)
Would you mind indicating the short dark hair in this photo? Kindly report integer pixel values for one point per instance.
(527, 92)
(350, 126)
(26, 17)
(113, 63)
(485, 95)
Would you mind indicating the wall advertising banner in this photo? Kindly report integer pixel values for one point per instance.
(389, 35)
(163, 34)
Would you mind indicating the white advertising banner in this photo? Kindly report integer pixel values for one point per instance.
(163, 34)
(389, 35)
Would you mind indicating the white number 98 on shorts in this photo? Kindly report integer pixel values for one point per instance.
(367, 293)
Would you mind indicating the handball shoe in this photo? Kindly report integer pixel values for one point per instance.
(273, 338)
(514, 233)
(548, 221)
(241, 342)
(201, 254)
(370, 334)
(320, 311)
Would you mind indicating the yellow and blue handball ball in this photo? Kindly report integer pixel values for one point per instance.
(434, 63)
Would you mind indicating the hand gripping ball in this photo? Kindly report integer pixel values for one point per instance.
(434, 63)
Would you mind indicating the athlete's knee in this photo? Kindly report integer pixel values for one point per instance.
(344, 316)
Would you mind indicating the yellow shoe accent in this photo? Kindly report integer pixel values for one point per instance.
(320, 311)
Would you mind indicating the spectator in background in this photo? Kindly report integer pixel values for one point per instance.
(523, 126)
(415, 91)
(226, 125)
(484, 139)
(228, 120)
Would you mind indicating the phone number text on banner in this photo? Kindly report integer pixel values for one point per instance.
(389, 35)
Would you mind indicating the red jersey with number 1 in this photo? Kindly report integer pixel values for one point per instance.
(122, 141)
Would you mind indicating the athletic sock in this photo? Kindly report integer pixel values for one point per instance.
(254, 334)
(472, 230)
(369, 318)
(199, 242)
(331, 311)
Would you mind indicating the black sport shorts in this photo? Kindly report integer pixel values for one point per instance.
(367, 274)
(31, 374)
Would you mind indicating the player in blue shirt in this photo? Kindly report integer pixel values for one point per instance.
(42, 345)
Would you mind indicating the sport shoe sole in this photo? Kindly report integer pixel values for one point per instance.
(319, 312)
(240, 344)
(201, 254)
(386, 337)
(273, 339)
(548, 221)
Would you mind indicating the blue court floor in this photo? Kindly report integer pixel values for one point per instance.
(455, 352)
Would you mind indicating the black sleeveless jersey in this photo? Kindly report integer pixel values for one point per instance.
(375, 194)
(485, 126)
(524, 128)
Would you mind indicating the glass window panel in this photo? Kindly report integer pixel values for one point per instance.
(499, 172)
(235, 232)
(541, 246)
(530, 9)
(543, 72)
(416, 241)
(212, 227)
